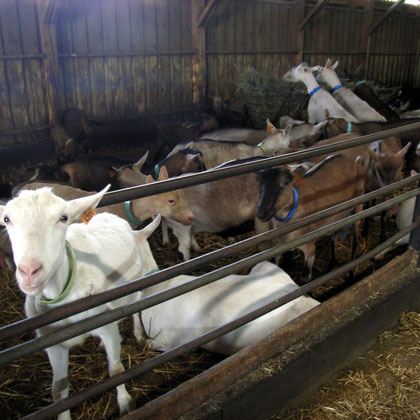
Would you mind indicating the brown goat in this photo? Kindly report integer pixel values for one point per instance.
(283, 200)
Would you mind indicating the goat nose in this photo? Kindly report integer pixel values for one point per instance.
(191, 218)
(30, 269)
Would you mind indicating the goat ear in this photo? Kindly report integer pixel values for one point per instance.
(321, 125)
(288, 129)
(316, 68)
(404, 150)
(1, 215)
(412, 173)
(139, 164)
(328, 63)
(270, 126)
(151, 227)
(334, 66)
(79, 205)
(190, 145)
(149, 179)
(163, 173)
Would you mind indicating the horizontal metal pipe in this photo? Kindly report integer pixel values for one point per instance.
(214, 174)
(81, 327)
(109, 383)
(89, 302)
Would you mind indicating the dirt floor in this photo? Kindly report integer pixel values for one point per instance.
(383, 384)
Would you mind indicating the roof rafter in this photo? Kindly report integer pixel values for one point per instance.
(314, 12)
(387, 14)
(207, 12)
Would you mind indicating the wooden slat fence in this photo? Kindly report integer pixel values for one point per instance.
(121, 59)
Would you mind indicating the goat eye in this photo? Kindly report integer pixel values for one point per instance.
(6, 220)
(64, 218)
(171, 201)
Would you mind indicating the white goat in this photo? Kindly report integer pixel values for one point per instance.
(188, 316)
(320, 100)
(345, 97)
(404, 219)
(59, 261)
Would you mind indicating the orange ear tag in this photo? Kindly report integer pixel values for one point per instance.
(87, 215)
(270, 128)
(111, 174)
(298, 179)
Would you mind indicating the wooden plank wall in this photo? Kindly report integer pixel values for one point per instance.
(23, 109)
(392, 56)
(128, 58)
(249, 33)
(121, 58)
(333, 34)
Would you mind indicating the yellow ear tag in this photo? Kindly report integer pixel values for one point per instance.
(270, 128)
(111, 174)
(87, 215)
(298, 179)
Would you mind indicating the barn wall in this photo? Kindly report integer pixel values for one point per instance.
(126, 58)
(120, 58)
(23, 104)
(249, 33)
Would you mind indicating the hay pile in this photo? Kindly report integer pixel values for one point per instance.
(383, 384)
(272, 98)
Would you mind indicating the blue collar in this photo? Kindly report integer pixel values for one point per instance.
(349, 127)
(130, 216)
(157, 170)
(360, 82)
(336, 88)
(292, 211)
(314, 91)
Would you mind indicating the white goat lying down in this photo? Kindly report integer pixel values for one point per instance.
(188, 316)
(59, 261)
(345, 97)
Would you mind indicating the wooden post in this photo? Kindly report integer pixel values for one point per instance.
(300, 35)
(367, 38)
(199, 58)
(47, 10)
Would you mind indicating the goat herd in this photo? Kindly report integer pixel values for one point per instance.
(58, 259)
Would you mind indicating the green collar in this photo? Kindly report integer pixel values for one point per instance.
(360, 82)
(264, 149)
(68, 141)
(152, 272)
(130, 216)
(70, 280)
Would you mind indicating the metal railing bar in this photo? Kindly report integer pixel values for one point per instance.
(22, 350)
(217, 173)
(109, 383)
(89, 302)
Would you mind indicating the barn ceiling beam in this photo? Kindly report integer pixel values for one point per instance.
(313, 13)
(207, 12)
(387, 14)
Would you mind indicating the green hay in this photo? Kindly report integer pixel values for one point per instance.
(272, 98)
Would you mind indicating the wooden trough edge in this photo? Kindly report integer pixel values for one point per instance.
(298, 357)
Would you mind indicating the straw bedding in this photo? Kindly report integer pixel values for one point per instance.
(383, 384)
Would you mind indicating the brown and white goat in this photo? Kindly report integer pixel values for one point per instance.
(283, 200)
